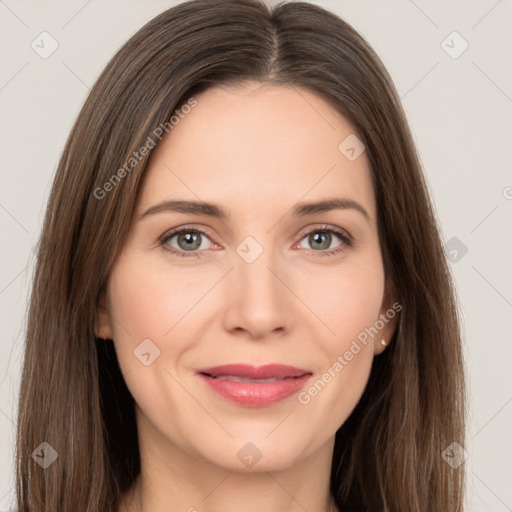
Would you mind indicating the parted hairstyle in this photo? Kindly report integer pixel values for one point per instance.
(388, 454)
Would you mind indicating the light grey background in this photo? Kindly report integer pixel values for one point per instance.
(460, 114)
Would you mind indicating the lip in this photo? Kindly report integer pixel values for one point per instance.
(248, 385)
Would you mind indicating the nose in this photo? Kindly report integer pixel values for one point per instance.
(258, 298)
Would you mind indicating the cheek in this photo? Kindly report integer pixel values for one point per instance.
(348, 301)
(147, 302)
(349, 307)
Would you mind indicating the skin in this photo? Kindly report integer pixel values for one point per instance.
(256, 150)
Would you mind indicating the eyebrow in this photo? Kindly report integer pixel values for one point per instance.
(217, 211)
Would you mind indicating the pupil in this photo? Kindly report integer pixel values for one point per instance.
(326, 236)
(190, 237)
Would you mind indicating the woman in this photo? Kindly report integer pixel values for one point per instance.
(190, 346)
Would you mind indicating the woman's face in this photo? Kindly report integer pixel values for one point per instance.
(264, 285)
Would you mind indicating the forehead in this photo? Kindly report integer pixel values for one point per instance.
(254, 145)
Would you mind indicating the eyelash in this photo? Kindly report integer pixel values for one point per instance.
(345, 238)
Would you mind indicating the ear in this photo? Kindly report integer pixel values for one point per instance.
(102, 325)
(388, 319)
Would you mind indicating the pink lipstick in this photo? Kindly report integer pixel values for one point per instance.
(255, 386)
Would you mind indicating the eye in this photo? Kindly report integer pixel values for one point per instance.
(189, 241)
(320, 240)
(192, 242)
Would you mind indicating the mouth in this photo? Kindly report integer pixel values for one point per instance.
(233, 378)
(254, 386)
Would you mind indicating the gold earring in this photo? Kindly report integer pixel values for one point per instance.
(383, 342)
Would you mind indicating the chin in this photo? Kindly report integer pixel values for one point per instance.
(245, 456)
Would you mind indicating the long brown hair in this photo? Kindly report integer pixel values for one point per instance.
(388, 454)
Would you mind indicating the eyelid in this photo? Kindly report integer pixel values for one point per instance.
(326, 227)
